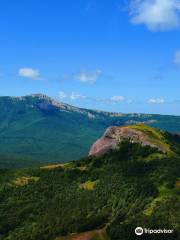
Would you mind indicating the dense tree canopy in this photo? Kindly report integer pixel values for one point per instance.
(133, 186)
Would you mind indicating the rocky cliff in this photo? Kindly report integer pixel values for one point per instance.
(140, 133)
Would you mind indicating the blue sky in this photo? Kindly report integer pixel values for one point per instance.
(114, 55)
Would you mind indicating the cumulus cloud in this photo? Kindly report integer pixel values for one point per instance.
(88, 77)
(71, 96)
(117, 99)
(75, 96)
(30, 73)
(157, 15)
(177, 58)
(156, 101)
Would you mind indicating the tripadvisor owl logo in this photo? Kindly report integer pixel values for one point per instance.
(139, 231)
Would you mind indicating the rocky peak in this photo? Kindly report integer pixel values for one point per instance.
(39, 96)
(46, 103)
(142, 134)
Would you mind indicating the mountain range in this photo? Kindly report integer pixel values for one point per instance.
(35, 129)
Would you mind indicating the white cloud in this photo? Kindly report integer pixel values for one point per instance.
(157, 15)
(177, 58)
(76, 96)
(71, 96)
(30, 73)
(117, 99)
(90, 77)
(156, 101)
(62, 95)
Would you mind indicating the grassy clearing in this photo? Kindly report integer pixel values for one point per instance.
(151, 132)
(82, 168)
(53, 166)
(154, 156)
(89, 185)
(153, 135)
(59, 165)
(24, 180)
(69, 165)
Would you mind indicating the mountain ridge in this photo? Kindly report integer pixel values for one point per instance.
(41, 130)
(51, 99)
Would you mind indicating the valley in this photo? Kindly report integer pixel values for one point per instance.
(36, 130)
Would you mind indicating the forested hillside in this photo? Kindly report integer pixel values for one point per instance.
(36, 129)
(95, 198)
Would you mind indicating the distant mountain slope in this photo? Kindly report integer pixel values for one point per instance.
(96, 198)
(36, 129)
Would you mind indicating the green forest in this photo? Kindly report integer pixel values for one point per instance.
(104, 198)
(37, 130)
